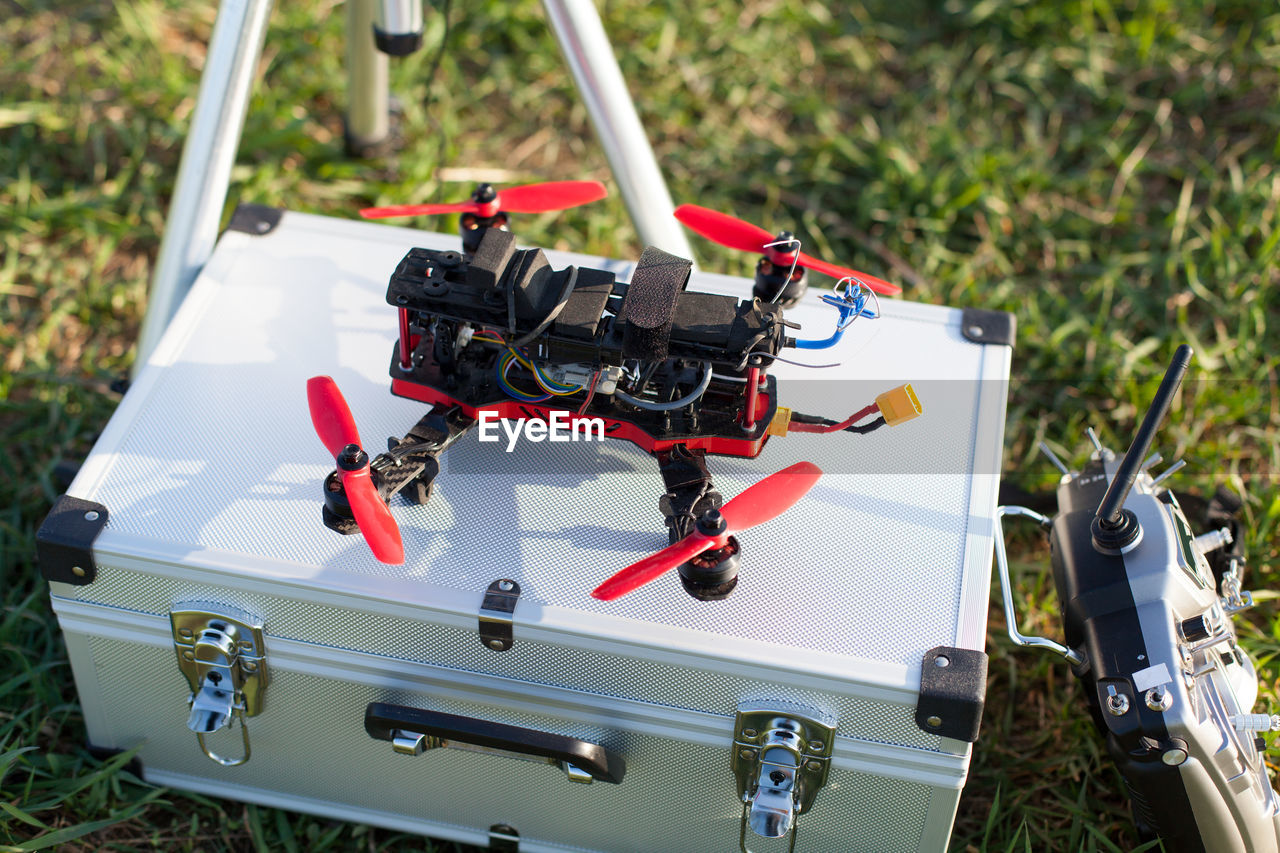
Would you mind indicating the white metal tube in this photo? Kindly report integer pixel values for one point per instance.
(367, 120)
(399, 19)
(195, 211)
(587, 51)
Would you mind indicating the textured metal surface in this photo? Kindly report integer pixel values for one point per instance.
(310, 742)
(222, 456)
(589, 671)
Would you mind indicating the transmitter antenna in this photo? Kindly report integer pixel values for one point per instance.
(1116, 529)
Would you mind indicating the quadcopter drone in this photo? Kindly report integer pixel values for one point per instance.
(495, 332)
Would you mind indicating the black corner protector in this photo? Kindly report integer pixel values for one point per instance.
(255, 219)
(983, 326)
(953, 689)
(64, 543)
(104, 753)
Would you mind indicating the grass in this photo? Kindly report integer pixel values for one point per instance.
(1105, 170)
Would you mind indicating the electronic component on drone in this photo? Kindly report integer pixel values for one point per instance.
(893, 407)
(899, 405)
(496, 331)
(670, 346)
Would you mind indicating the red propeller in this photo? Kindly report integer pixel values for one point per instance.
(738, 234)
(764, 501)
(332, 419)
(530, 198)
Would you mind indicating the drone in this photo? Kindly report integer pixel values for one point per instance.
(494, 332)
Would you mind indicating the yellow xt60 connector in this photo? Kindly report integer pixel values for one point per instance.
(899, 405)
(780, 423)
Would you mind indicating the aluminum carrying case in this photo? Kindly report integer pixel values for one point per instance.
(855, 636)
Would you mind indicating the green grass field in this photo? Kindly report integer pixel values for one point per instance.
(1106, 171)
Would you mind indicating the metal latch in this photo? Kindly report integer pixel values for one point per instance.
(495, 620)
(223, 656)
(781, 757)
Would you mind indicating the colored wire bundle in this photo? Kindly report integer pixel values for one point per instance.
(502, 367)
(591, 391)
(500, 370)
(809, 423)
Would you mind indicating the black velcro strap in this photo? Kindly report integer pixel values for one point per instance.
(650, 303)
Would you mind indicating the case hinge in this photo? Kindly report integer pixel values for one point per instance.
(222, 654)
(495, 620)
(504, 838)
(781, 757)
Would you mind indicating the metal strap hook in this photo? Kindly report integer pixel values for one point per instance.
(244, 737)
(742, 833)
(1002, 564)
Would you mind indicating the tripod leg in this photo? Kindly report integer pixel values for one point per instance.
(367, 122)
(587, 51)
(195, 212)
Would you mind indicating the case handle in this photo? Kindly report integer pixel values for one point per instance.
(1006, 586)
(413, 731)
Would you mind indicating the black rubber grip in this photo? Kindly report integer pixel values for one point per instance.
(382, 721)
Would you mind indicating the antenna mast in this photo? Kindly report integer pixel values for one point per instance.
(1116, 529)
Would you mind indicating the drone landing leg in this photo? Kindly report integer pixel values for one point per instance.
(711, 575)
(410, 465)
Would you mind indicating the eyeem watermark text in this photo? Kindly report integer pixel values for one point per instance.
(560, 426)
